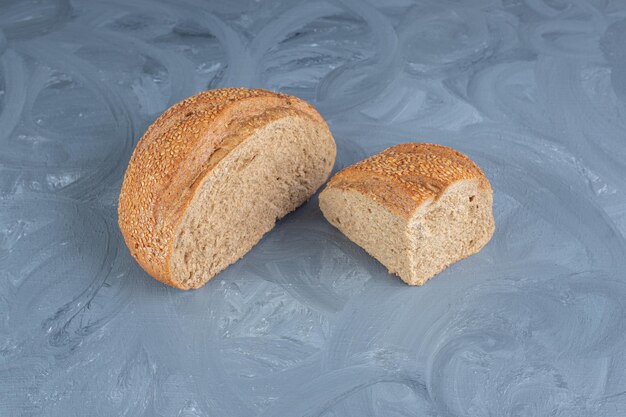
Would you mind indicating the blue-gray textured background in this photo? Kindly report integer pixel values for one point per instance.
(307, 324)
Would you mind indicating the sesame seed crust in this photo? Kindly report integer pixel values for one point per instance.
(405, 176)
(180, 149)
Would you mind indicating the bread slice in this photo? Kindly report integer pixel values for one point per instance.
(213, 174)
(415, 207)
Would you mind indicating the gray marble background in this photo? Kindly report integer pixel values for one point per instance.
(307, 324)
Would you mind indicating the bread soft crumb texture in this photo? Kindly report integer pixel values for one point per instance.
(416, 207)
(195, 194)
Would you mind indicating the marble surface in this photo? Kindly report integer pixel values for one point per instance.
(307, 324)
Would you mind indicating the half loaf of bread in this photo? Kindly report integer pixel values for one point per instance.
(213, 174)
(415, 207)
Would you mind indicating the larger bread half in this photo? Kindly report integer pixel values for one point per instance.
(415, 207)
(213, 174)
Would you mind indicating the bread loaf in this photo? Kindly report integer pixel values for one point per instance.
(415, 207)
(213, 174)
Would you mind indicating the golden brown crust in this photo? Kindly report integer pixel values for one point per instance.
(177, 151)
(405, 176)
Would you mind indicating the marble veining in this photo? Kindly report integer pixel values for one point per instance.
(307, 324)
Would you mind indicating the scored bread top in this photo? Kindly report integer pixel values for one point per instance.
(405, 176)
(177, 151)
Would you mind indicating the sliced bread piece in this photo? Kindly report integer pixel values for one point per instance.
(416, 208)
(213, 174)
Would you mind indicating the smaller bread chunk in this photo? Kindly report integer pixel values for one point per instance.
(213, 174)
(416, 207)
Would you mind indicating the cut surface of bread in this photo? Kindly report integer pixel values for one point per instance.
(270, 175)
(416, 208)
(213, 174)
